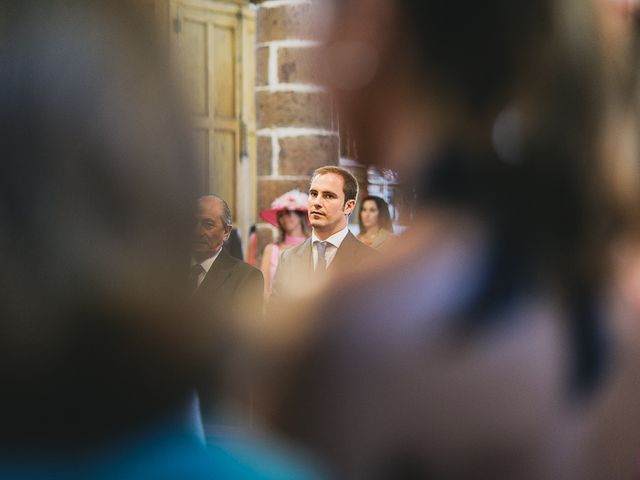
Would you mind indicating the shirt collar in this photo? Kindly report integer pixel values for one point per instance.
(336, 239)
(206, 264)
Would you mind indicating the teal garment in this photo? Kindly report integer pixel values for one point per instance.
(169, 457)
(251, 459)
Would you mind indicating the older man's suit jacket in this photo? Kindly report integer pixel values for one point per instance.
(295, 267)
(228, 282)
(231, 291)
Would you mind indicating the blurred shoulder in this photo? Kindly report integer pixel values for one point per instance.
(428, 273)
(383, 240)
(352, 243)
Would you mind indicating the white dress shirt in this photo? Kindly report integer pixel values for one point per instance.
(206, 265)
(333, 244)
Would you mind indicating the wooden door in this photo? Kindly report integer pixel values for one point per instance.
(213, 45)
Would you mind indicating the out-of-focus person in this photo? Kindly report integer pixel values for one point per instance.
(619, 33)
(234, 244)
(288, 213)
(376, 229)
(99, 356)
(332, 198)
(225, 290)
(487, 344)
(260, 235)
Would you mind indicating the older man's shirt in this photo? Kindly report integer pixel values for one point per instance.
(206, 266)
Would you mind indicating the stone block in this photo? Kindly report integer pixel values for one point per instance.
(269, 190)
(298, 65)
(302, 155)
(265, 156)
(262, 66)
(293, 109)
(285, 22)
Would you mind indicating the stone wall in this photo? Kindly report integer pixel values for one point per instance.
(296, 124)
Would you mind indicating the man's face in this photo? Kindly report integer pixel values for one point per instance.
(210, 232)
(328, 212)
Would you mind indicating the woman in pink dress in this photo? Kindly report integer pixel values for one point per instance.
(289, 213)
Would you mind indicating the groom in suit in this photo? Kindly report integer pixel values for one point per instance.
(332, 198)
(225, 290)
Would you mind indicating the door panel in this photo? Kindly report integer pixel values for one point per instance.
(201, 143)
(222, 178)
(195, 64)
(225, 72)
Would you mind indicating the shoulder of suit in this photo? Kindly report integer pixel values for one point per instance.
(239, 265)
(242, 270)
(361, 247)
(296, 250)
(242, 265)
(369, 251)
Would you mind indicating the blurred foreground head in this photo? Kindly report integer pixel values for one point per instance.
(97, 190)
(519, 90)
(498, 111)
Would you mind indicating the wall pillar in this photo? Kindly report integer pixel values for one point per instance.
(296, 131)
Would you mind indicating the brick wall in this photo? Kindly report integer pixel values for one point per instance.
(296, 127)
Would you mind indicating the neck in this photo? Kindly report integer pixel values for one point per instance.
(296, 232)
(324, 234)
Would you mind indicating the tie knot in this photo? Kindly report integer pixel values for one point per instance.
(321, 246)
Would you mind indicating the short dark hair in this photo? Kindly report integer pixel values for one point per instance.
(350, 187)
(384, 219)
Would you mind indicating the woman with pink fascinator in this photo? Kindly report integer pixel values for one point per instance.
(288, 213)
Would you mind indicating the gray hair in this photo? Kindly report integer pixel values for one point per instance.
(227, 217)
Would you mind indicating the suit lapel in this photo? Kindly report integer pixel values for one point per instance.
(218, 273)
(305, 257)
(347, 250)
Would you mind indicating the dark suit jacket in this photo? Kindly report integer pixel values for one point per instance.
(228, 281)
(296, 264)
(231, 289)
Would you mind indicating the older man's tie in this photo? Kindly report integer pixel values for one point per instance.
(194, 276)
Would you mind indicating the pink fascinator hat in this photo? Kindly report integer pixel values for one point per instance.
(294, 200)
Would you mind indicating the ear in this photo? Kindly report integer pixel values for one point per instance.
(349, 206)
(227, 232)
